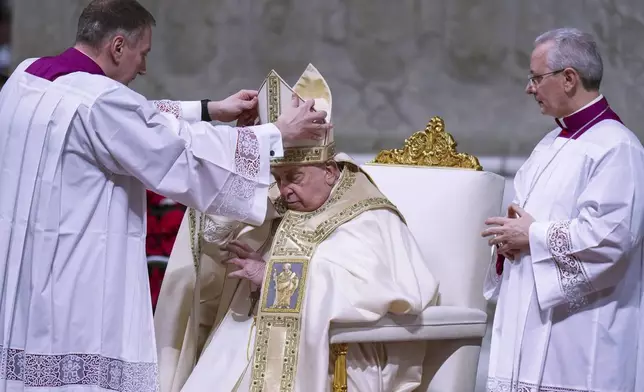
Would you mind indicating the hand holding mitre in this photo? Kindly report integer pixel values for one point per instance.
(301, 121)
(241, 106)
(511, 234)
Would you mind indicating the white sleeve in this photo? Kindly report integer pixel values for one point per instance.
(189, 111)
(573, 258)
(217, 169)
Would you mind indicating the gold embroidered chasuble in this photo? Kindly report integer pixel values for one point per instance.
(381, 256)
(351, 260)
(278, 323)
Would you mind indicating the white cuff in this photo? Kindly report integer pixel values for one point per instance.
(191, 111)
(269, 139)
(544, 268)
(538, 241)
(271, 134)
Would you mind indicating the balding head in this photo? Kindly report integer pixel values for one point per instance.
(117, 34)
(306, 187)
(102, 19)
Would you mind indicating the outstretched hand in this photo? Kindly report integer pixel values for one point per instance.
(302, 121)
(252, 266)
(511, 234)
(241, 106)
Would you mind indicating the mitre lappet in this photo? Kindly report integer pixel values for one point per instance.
(275, 96)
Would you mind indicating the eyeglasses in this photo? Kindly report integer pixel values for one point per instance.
(534, 80)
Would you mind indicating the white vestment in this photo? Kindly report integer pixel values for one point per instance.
(569, 312)
(76, 156)
(367, 267)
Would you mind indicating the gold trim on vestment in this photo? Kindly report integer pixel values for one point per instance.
(196, 238)
(273, 98)
(279, 315)
(196, 243)
(305, 155)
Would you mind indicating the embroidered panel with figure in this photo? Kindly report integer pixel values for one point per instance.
(284, 293)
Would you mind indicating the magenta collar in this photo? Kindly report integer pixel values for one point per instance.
(70, 61)
(586, 118)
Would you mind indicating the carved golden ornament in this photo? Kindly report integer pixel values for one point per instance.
(431, 147)
(340, 367)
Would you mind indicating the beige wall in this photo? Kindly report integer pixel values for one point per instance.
(391, 64)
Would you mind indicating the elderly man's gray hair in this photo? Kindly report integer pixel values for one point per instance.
(575, 49)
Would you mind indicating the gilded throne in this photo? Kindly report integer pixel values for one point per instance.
(445, 197)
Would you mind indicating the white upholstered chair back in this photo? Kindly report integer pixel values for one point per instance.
(445, 210)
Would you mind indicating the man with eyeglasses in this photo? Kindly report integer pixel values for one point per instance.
(568, 279)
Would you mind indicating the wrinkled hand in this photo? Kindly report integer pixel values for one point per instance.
(511, 235)
(239, 106)
(251, 265)
(302, 122)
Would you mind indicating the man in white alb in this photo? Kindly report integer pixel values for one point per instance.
(569, 278)
(77, 151)
(333, 249)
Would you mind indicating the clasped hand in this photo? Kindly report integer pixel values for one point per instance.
(511, 233)
(252, 266)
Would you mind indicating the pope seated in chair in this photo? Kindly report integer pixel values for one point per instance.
(332, 249)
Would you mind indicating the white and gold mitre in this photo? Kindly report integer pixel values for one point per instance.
(275, 96)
